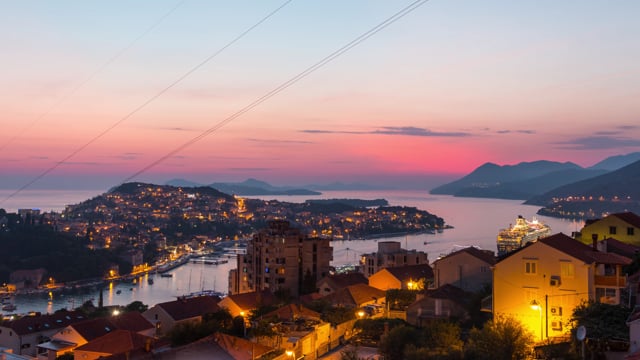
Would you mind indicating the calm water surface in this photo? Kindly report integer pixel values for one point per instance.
(475, 221)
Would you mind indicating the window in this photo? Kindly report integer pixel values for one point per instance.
(567, 269)
(612, 230)
(530, 267)
(606, 295)
(630, 231)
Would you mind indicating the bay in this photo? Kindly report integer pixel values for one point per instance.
(475, 223)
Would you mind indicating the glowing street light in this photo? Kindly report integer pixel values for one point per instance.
(536, 306)
(360, 314)
(244, 326)
(289, 353)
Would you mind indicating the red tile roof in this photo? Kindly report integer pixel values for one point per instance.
(186, 308)
(132, 320)
(620, 248)
(484, 255)
(343, 280)
(411, 272)
(449, 292)
(355, 295)
(578, 250)
(293, 312)
(94, 328)
(240, 349)
(34, 324)
(253, 300)
(629, 218)
(116, 342)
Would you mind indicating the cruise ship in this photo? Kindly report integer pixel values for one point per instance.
(518, 235)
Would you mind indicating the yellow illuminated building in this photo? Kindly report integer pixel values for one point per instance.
(624, 227)
(542, 283)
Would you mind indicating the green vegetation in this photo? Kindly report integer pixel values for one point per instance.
(65, 258)
(606, 326)
(499, 339)
(400, 299)
(220, 321)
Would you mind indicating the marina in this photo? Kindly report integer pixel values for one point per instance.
(472, 226)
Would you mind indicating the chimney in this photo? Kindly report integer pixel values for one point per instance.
(594, 239)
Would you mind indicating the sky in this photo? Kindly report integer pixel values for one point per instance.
(101, 92)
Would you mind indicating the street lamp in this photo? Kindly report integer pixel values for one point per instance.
(244, 326)
(360, 314)
(536, 306)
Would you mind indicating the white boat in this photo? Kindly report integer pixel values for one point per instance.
(9, 307)
(518, 235)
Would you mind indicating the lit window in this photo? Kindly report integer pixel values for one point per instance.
(530, 267)
(567, 269)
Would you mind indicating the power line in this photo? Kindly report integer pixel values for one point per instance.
(93, 75)
(284, 85)
(144, 104)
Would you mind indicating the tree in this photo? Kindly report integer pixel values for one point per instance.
(393, 344)
(136, 306)
(400, 299)
(606, 325)
(503, 338)
(442, 338)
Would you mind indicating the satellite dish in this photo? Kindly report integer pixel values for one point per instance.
(581, 333)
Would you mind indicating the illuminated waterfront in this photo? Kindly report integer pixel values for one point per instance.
(475, 221)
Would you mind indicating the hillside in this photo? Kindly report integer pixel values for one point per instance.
(512, 181)
(616, 162)
(250, 187)
(615, 191)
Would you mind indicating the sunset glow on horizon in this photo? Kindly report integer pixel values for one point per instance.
(443, 90)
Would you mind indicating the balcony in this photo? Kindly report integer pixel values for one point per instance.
(600, 280)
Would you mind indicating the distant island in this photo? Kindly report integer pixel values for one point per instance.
(249, 187)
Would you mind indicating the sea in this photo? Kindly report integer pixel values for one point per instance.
(474, 221)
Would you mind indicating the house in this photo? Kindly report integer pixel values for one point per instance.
(390, 254)
(412, 277)
(78, 334)
(331, 283)
(135, 322)
(293, 312)
(114, 343)
(299, 330)
(220, 347)
(541, 283)
(166, 315)
(446, 302)
(468, 268)
(611, 245)
(356, 296)
(621, 226)
(24, 334)
(72, 336)
(243, 304)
